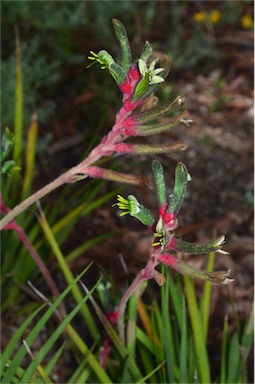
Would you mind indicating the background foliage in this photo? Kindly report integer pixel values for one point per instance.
(72, 102)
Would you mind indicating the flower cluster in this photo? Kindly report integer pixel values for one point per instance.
(165, 244)
(137, 81)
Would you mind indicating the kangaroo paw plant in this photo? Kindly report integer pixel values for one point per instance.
(164, 243)
(139, 115)
(137, 81)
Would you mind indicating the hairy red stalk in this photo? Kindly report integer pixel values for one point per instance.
(72, 174)
(146, 273)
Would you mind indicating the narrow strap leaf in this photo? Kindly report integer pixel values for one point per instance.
(121, 35)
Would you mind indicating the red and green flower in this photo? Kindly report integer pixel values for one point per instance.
(165, 244)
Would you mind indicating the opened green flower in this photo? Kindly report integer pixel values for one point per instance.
(151, 74)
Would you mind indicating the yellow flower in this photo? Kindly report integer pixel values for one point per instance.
(246, 22)
(199, 17)
(215, 16)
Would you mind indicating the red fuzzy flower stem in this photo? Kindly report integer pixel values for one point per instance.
(169, 260)
(145, 274)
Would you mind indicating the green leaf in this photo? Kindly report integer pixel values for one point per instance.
(12, 345)
(121, 35)
(18, 120)
(234, 361)
(183, 349)
(17, 360)
(131, 364)
(52, 340)
(223, 360)
(200, 343)
(54, 360)
(160, 182)
(181, 179)
(205, 302)
(7, 142)
(167, 333)
(141, 88)
(67, 272)
(9, 167)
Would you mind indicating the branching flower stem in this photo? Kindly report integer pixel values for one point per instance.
(75, 173)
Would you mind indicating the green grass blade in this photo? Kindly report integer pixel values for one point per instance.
(16, 338)
(144, 379)
(83, 209)
(79, 373)
(145, 340)
(30, 157)
(11, 189)
(183, 349)
(234, 361)
(83, 377)
(131, 325)
(248, 336)
(16, 362)
(167, 332)
(68, 274)
(92, 360)
(200, 345)
(78, 251)
(54, 360)
(223, 367)
(206, 297)
(175, 291)
(18, 120)
(100, 372)
(131, 364)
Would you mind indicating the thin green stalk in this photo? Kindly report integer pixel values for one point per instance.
(206, 297)
(18, 120)
(223, 368)
(200, 344)
(167, 331)
(12, 187)
(30, 156)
